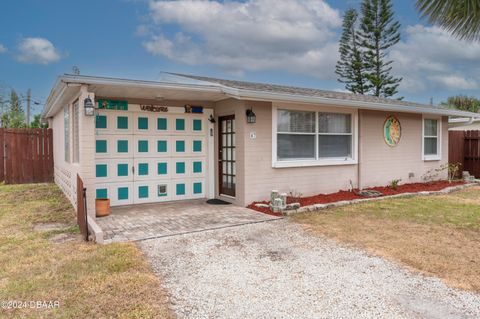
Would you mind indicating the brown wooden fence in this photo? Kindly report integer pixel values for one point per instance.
(82, 208)
(26, 156)
(464, 148)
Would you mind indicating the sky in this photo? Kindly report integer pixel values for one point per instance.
(291, 42)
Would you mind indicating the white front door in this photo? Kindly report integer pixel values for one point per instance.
(146, 157)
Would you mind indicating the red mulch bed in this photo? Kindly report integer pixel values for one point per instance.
(346, 195)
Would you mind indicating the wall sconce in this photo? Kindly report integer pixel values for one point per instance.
(251, 117)
(211, 119)
(89, 107)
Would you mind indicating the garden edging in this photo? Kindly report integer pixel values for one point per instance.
(316, 207)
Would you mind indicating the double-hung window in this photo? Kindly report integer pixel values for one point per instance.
(316, 138)
(431, 139)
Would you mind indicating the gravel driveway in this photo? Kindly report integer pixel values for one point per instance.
(276, 270)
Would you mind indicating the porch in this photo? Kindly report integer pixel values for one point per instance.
(147, 221)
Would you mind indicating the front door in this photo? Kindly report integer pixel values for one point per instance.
(226, 155)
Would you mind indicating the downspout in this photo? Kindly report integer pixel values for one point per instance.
(359, 151)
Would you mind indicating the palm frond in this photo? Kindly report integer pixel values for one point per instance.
(460, 17)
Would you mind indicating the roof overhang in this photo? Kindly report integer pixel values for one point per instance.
(67, 86)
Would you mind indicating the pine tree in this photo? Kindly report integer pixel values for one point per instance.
(379, 32)
(15, 105)
(350, 67)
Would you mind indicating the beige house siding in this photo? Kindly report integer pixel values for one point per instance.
(65, 173)
(261, 178)
(380, 163)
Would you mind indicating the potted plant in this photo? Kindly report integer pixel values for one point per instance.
(102, 207)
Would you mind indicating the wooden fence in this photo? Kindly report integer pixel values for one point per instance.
(82, 208)
(464, 148)
(26, 156)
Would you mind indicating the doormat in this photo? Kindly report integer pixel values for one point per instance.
(217, 202)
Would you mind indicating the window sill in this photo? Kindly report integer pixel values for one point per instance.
(308, 163)
(432, 158)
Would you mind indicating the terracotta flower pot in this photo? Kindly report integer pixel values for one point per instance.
(102, 207)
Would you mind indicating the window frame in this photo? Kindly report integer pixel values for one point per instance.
(438, 156)
(326, 161)
(76, 131)
(66, 133)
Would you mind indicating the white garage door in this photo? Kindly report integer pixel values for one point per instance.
(146, 157)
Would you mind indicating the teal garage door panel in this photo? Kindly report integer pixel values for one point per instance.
(147, 157)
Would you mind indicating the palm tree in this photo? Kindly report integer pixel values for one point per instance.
(460, 17)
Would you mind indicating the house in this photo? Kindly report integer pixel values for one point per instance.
(189, 137)
(464, 124)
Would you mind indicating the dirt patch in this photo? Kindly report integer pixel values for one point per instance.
(446, 252)
(44, 227)
(65, 238)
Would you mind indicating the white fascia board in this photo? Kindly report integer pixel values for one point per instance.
(57, 92)
(282, 97)
(140, 83)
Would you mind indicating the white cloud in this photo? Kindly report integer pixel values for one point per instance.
(3, 49)
(294, 35)
(37, 50)
(430, 59)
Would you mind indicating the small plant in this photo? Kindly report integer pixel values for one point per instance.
(294, 196)
(394, 183)
(451, 168)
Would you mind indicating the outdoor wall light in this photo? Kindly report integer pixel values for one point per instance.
(89, 108)
(251, 117)
(211, 119)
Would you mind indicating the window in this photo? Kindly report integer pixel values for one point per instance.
(314, 137)
(431, 139)
(334, 135)
(295, 135)
(66, 132)
(76, 135)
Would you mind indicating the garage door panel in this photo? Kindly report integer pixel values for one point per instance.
(113, 122)
(118, 193)
(113, 146)
(113, 170)
(152, 191)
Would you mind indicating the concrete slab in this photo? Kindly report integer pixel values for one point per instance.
(147, 221)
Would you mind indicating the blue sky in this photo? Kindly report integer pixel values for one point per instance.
(290, 42)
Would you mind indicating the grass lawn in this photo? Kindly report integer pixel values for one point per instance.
(88, 280)
(437, 235)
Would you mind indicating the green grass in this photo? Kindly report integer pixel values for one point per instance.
(89, 280)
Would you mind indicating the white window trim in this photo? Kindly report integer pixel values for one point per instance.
(438, 156)
(321, 161)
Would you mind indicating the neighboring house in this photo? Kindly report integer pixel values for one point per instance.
(463, 124)
(189, 137)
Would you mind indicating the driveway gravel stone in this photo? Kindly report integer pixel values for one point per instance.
(275, 269)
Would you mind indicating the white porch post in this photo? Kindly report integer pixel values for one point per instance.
(87, 150)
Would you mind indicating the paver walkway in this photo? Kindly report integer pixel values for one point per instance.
(278, 270)
(139, 222)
